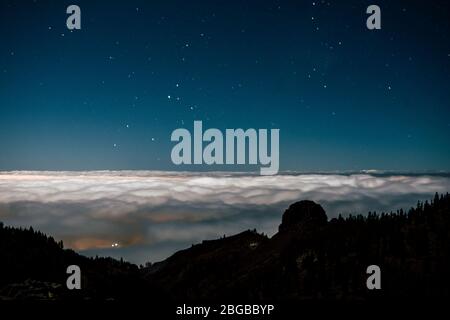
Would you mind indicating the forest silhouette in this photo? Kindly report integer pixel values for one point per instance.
(310, 257)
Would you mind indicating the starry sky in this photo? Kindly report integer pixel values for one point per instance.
(108, 96)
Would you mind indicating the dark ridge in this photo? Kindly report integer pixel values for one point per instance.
(309, 258)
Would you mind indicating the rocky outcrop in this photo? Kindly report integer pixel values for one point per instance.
(303, 212)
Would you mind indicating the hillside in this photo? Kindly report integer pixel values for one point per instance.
(309, 258)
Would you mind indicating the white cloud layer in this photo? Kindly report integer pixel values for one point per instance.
(151, 214)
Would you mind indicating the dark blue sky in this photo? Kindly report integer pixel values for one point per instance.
(343, 97)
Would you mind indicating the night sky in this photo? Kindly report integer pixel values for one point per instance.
(109, 95)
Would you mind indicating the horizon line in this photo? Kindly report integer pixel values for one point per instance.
(240, 173)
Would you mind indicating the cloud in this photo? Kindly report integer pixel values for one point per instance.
(151, 214)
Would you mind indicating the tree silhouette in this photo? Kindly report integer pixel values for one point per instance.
(308, 258)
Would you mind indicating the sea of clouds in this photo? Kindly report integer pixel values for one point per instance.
(152, 214)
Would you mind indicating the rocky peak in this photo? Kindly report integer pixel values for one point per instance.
(303, 212)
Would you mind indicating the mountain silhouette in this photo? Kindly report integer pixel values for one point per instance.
(302, 212)
(309, 258)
